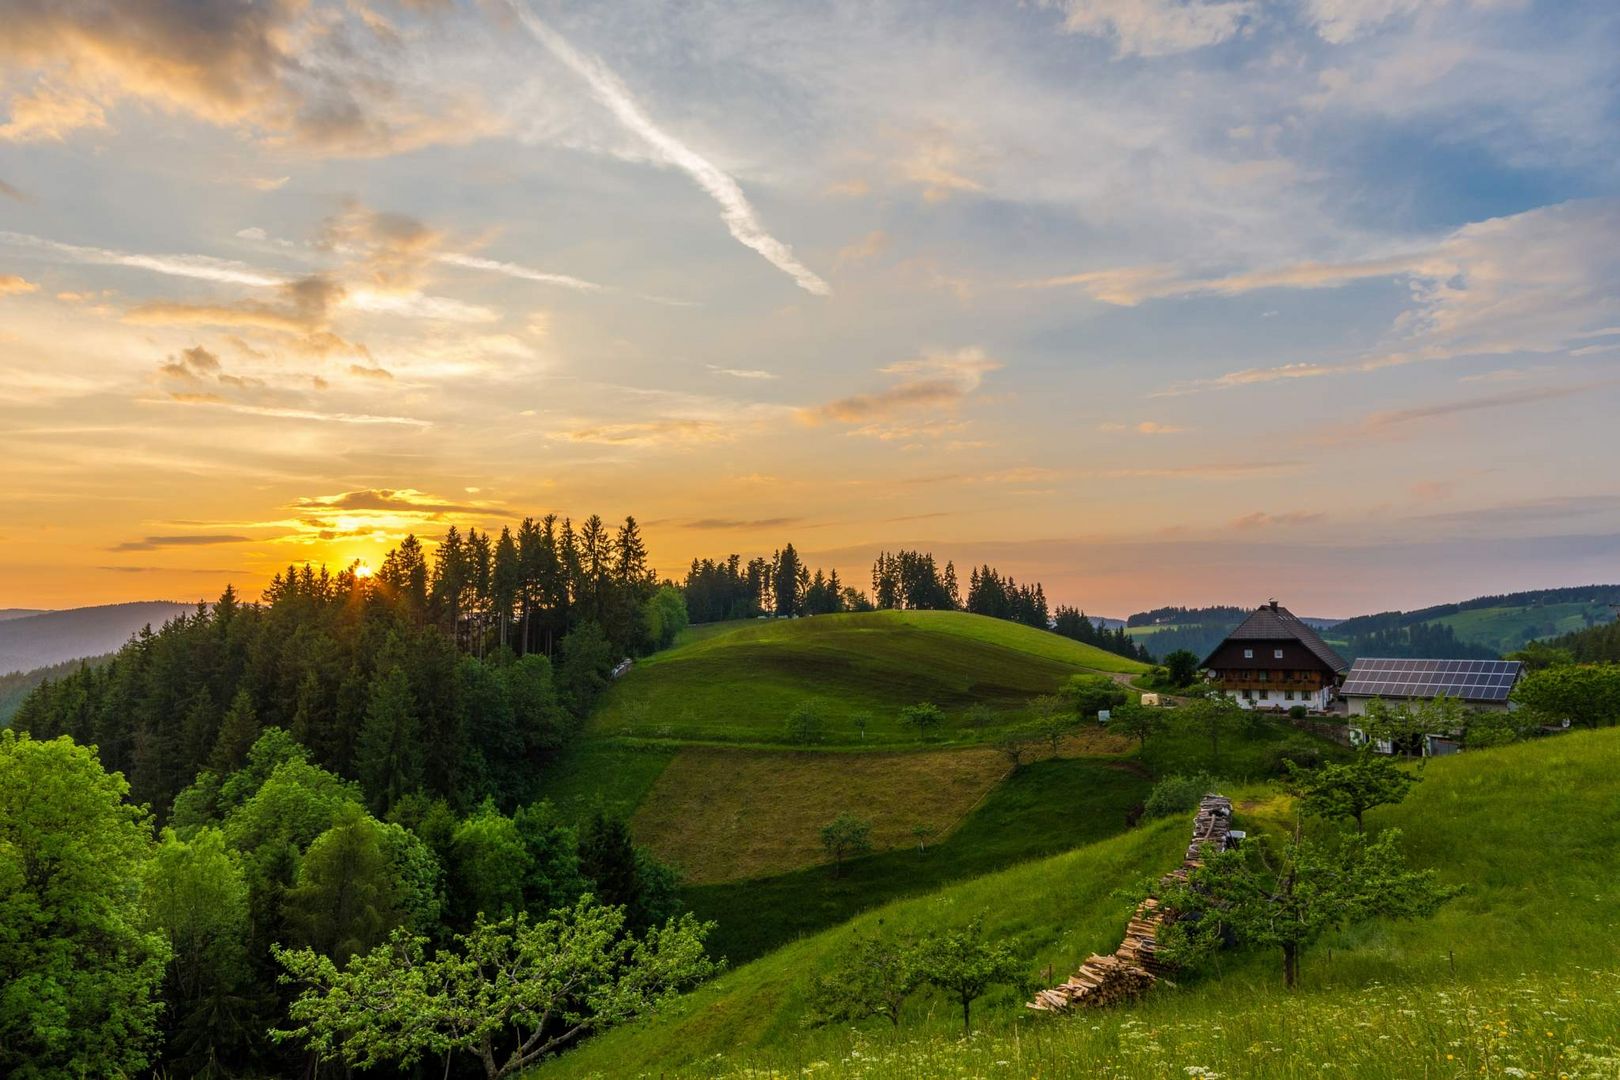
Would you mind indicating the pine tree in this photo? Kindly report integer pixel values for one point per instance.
(237, 734)
(389, 757)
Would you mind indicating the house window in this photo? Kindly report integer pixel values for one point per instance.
(1248, 654)
(1263, 675)
(1288, 695)
(1277, 654)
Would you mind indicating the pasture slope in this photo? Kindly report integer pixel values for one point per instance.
(1515, 977)
(736, 686)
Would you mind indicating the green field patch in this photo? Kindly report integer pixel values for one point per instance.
(603, 774)
(1044, 808)
(1515, 973)
(738, 685)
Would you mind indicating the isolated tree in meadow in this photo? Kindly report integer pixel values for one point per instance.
(804, 725)
(80, 962)
(964, 965)
(846, 837)
(1337, 790)
(1288, 898)
(1214, 715)
(510, 992)
(924, 716)
(923, 832)
(1013, 748)
(1055, 719)
(1181, 667)
(872, 977)
(861, 721)
(1139, 722)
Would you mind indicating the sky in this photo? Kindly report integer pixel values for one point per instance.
(1154, 301)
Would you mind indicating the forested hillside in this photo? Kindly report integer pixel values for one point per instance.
(36, 640)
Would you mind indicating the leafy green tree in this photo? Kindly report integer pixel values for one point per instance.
(1586, 695)
(963, 964)
(511, 991)
(197, 898)
(872, 977)
(1013, 748)
(1214, 715)
(554, 880)
(924, 716)
(390, 751)
(1139, 722)
(846, 837)
(664, 614)
(417, 875)
(1538, 655)
(1091, 694)
(1181, 667)
(1287, 899)
(804, 725)
(80, 963)
(345, 902)
(1054, 718)
(1349, 789)
(585, 658)
(490, 864)
(1178, 795)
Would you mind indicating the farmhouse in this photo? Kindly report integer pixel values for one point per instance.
(1479, 684)
(1275, 661)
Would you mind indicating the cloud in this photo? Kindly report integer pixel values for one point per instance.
(1262, 520)
(675, 431)
(1341, 21)
(1530, 282)
(741, 523)
(168, 570)
(1208, 469)
(11, 284)
(48, 113)
(305, 308)
(1384, 421)
(11, 192)
(1144, 427)
(373, 372)
(285, 70)
(735, 209)
(937, 381)
(867, 247)
(934, 165)
(741, 373)
(400, 500)
(152, 543)
(513, 270)
(1156, 27)
(199, 267)
(387, 251)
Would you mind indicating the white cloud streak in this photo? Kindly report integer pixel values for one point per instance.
(735, 209)
(514, 270)
(201, 267)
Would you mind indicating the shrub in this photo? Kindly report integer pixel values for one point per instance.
(1178, 794)
(1303, 754)
(1296, 712)
(1090, 694)
(804, 725)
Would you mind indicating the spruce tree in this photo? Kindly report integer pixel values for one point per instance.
(389, 757)
(237, 734)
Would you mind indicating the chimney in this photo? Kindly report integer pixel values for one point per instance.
(1273, 605)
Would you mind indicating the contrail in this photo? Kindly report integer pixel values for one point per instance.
(526, 273)
(203, 267)
(735, 209)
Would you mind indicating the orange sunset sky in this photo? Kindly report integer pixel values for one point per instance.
(1154, 302)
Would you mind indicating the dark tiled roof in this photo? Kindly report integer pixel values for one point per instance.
(1272, 622)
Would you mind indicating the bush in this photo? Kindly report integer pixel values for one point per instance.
(1090, 694)
(1296, 712)
(1178, 795)
(804, 726)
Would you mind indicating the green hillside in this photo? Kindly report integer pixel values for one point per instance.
(1515, 977)
(738, 685)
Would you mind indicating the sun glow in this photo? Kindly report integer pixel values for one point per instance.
(361, 568)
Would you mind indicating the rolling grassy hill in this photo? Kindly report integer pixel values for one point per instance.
(1515, 977)
(737, 685)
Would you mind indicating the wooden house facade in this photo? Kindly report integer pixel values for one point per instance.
(1273, 660)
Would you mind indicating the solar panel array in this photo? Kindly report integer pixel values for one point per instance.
(1471, 680)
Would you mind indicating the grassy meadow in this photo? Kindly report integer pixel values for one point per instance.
(736, 684)
(1514, 977)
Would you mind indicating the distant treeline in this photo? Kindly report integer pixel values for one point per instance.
(16, 686)
(1363, 625)
(1186, 616)
(1595, 644)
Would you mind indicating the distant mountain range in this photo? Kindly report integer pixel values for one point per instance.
(31, 640)
(8, 613)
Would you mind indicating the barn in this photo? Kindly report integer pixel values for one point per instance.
(1479, 684)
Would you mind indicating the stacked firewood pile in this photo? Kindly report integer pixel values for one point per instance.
(1135, 965)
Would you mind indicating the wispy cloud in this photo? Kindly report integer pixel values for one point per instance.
(407, 500)
(735, 210)
(743, 523)
(741, 373)
(932, 381)
(11, 284)
(12, 192)
(513, 270)
(674, 431)
(1156, 27)
(1260, 519)
(1387, 420)
(200, 267)
(152, 543)
(1144, 427)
